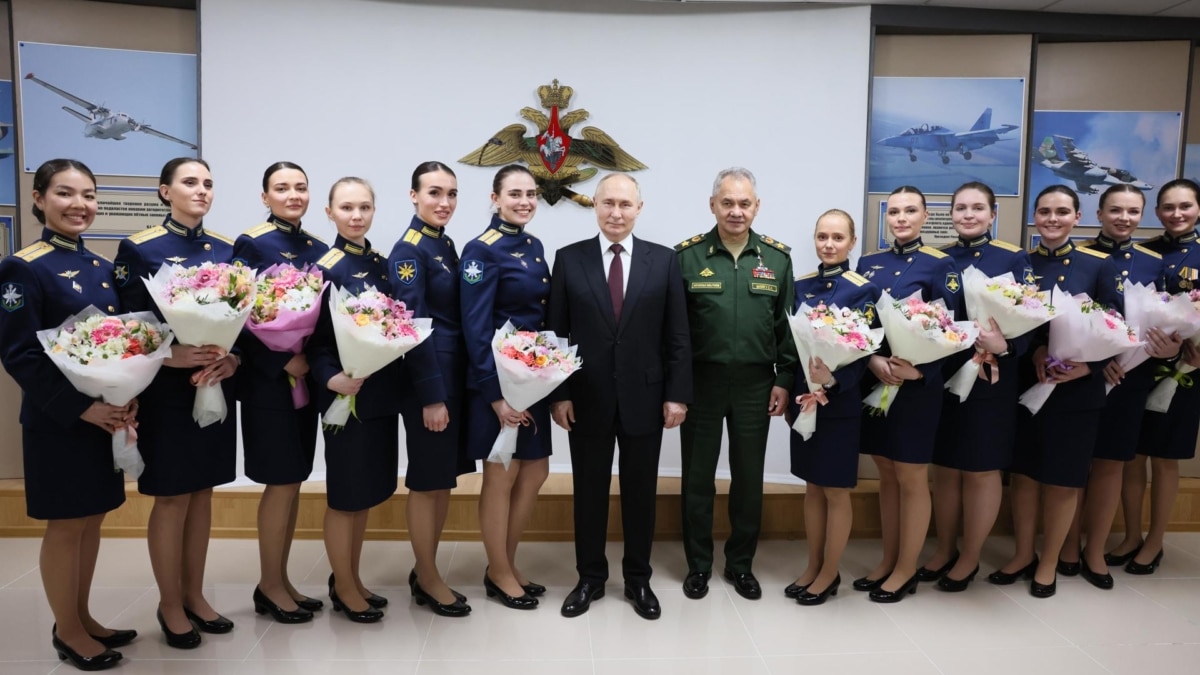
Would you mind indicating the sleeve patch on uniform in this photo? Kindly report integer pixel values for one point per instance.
(952, 283)
(472, 271)
(12, 297)
(1028, 276)
(121, 272)
(869, 312)
(406, 271)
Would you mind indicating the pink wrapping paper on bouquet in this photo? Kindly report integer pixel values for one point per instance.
(286, 309)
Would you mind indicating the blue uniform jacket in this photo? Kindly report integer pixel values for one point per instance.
(837, 285)
(348, 265)
(504, 277)
(1135, 264)
(139, 256)
(424, 274)
(40, 286)
(992, 257)
(904, 269)
(265, 383)
(1075, 270)
(1181, 260)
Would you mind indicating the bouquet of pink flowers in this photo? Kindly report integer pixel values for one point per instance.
(1017, 308)
(285, 313)
(1164, 391)
(529, 365)
(205, 304)
(919, 332)
(371, 330)
(112, 358)
(1146, 308)
(1086, 331)
(838, 336)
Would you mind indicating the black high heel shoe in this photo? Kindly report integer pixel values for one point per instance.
(925, 574)
(1043, 590)
(368, 615)
(867, 584)
(1119, 559)
(526, 601)
(376, 601)
(119, 638)
(1102, 581)
(188, 640)
(909, 587)
(455, 609)
(412, 584)
(809, 599)
(311, 604)
(263, 604)
(1002, 578)
(1069, 569)
(102, 661)
(956, 585)
(217, 626)
(1135, 567)
(534, 589)
(794, 591)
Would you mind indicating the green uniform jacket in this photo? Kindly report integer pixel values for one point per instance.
(738, 309)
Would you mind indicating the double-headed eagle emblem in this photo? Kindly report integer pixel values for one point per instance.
(552, 155)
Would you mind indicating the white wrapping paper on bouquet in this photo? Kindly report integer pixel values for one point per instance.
(915, 340)
(984, 304)
(1145, 309)
(114, 381)
(826, 343)
(1163, 392)
(1078, 336)
(522, 386)
(196, 325)
(364, 350)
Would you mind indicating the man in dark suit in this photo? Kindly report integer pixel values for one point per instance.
(620, 299)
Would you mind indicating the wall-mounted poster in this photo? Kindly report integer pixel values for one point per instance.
(937, 133)
(8, 147)
(1191, 162)
(8, 238)
(121, 112)
(1089, 151)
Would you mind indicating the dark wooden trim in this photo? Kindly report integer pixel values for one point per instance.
(1048, 26)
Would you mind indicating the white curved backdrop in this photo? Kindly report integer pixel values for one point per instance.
(371, 88)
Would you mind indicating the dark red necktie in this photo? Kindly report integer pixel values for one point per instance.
(616, 276)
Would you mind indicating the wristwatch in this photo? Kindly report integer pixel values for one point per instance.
(830, 384)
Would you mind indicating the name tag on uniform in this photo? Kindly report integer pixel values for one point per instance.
(706, 286)
(760, 287)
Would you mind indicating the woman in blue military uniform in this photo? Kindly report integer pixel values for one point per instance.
(828, 461)
(279, 440)
(975, 437)
(504, 277)
(1120, 213)
(424, 274)
(901, 442)
(183, 460)
(1054, 447)
(1166, 437)
(66, 436)
(361, 457)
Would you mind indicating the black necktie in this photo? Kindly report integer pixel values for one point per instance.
(616, 277)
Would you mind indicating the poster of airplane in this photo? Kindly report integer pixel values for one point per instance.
(121, 112)
(939, 132)
(8, 145)
(1191, 162)
(1089, 151)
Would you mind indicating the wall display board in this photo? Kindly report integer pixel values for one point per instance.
(939, 132)
(1089, 151)
(8, 237)
(121, 112)
(8, 147)
(1191, 162)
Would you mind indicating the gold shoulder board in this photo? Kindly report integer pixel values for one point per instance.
(331, 258)
(1147, 251)
(1011, 248)
(855, 278)
(147, 234)
(259, 230)
(34, 251)
(1090, 252)
(931, 251)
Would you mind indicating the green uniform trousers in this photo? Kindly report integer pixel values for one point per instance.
(737, 395)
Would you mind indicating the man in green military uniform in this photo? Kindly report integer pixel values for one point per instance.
(739, 289)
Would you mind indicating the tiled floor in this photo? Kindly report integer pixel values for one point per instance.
(1145, 625)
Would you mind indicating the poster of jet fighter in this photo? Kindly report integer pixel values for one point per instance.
(8, 144)
(939, 132)
(1090, 151)
(121, 112)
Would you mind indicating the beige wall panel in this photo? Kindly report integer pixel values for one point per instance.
(89, 24)
(952, 56)
(1192, 133)
(1112, 76)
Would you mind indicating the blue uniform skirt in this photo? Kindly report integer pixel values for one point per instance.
(830, 457)
(1121, 421)
(69, 472)
(1172, 435)
(533, 441)
(362, 463)
(1054, 447)
(181, 457)
(978, 434)
(908, 431)
(279, 445)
